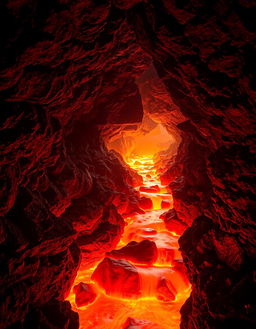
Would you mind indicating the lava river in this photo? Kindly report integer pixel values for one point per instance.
(142, 284)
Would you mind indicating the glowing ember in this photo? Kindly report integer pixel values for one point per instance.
(133, 291)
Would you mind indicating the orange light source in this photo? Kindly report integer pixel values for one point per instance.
(148, 294)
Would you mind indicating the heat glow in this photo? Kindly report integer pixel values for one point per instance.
(112, 311)
(149, 139)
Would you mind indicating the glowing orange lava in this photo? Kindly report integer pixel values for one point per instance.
(112, 312)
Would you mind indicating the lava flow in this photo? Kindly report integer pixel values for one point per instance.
(143, 282)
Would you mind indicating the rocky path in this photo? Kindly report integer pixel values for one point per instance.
(142, 284)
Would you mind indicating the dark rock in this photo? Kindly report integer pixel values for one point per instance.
(203, 59)
(145, 203)
(69, 73)
(144, 252)
(118, 278)
(172, 222)
(85, 294)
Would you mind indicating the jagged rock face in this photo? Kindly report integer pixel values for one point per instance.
(60, 202)
(157, 102)
(58, 63)
(203, 52)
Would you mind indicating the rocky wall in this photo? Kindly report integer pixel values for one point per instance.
(69, 66)
(203, 51)
(60, 202)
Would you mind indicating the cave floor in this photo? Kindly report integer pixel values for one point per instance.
(148, 311)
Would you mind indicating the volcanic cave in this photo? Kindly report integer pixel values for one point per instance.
(128, 164)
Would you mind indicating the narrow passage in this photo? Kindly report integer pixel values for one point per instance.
(142, 285)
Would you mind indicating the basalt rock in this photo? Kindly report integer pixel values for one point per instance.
(85, 294)
(172, 222)
(144, 252)
(118, 277)
(145, 203)
(203, 52)
(59, 62)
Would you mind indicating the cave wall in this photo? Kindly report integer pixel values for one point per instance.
(59, 63)
(158, 105)
(204, 53)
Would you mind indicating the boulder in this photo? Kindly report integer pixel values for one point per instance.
(85, 294)
(145, 203)
(173, 223)
(144, 252)
(165, 290)
(118, 278)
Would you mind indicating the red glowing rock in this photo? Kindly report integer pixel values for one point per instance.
(133, 323)
(172, 222)
(144, 252)
(165, 290)
(145, 203)
(85, 294)
(118, 278)
(63, 65)
(150, 189)
(165, 204)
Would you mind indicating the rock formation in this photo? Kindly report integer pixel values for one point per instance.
(203, 52)
(60, 64)
(68, 70)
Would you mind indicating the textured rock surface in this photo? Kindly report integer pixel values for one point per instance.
(52, 315)
(159, 106)
(85, 294)
(62, 66)
(165, 290)
(203, 52)
(67, 66)
(172, 222)
(144, 252)
(118, 277)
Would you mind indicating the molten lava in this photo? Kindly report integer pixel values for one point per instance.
(134, 290)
